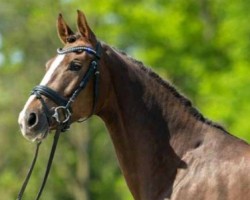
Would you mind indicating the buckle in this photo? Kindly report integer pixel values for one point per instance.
(62, 114)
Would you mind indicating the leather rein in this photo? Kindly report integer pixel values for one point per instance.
(63, 112)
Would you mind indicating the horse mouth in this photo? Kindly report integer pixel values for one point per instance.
(36, 137)
(36, 133)
(41, 136)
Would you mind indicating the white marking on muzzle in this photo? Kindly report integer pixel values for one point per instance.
(45, 80)
(21, 118)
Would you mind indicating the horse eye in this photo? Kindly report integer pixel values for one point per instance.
(73, 66)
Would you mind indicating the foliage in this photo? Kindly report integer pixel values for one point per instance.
(201, 46)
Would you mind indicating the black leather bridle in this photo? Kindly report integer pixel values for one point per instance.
(63, 112)
(64, 105)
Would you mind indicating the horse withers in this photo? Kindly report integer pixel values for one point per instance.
(165, 147)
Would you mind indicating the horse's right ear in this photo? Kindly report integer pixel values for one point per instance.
(63, 29)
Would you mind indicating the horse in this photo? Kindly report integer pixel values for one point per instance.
(167, 150)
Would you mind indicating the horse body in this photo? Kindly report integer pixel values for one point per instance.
(172, 152)
(165, 147)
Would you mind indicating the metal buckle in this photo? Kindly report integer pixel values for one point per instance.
(65, 111)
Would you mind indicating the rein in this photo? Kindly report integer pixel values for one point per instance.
(64, 108)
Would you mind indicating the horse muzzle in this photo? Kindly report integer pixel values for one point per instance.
(34, 125)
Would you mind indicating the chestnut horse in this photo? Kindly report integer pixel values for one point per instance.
(165, 147)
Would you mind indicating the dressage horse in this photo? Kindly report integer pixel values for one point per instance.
(165, 147)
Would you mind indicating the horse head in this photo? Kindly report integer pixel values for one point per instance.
(68, 91)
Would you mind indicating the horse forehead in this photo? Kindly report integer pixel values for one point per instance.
(54, 65)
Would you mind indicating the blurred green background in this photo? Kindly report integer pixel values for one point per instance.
(202, 47)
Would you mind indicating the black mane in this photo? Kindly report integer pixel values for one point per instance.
(184, 100)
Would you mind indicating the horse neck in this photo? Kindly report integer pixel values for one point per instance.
(147, 123)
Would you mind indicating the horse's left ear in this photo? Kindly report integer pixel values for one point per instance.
(63, 29)
(83, 27)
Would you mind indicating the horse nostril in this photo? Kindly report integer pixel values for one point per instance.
(32, 119)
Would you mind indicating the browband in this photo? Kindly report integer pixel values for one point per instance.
(78, 49)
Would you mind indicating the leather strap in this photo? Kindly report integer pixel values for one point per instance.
(51, 94)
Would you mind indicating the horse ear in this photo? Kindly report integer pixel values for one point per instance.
(83, 27)
(63, 29)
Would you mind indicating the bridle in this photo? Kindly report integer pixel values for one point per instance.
(64, 105)
(63, 112)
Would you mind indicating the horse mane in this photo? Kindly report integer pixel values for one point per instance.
(184, 100)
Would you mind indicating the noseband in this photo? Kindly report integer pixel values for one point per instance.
(63, 112)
